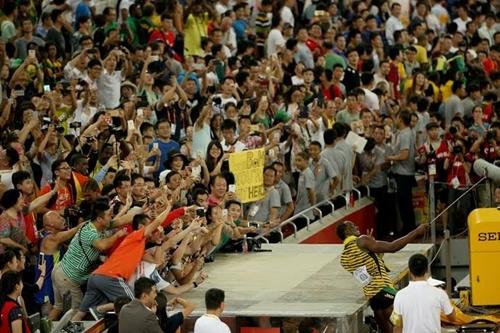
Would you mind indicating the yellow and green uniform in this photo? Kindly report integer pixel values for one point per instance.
(366, 266)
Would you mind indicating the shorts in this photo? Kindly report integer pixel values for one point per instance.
(383, 299)
(63, 285)
(102, 289)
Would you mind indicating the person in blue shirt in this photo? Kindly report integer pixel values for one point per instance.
(165, 144)
(240, 25)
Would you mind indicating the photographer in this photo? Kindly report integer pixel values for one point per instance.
(458, 180)
(84, 250)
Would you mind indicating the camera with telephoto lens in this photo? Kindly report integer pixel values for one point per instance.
(491, 135)
(75, 125)
(72, 215)
(217, 100)
(457, 150)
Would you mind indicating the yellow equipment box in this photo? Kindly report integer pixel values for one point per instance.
(484, 247)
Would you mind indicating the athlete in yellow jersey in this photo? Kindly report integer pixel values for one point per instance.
(362, 256)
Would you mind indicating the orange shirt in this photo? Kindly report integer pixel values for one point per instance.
(64, 197)
(124, 260)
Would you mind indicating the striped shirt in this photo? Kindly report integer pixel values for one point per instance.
(263, 26)
(367, 267)
(75, 264)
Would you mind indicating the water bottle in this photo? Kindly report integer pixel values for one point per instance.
(245, 244)
(45, 325)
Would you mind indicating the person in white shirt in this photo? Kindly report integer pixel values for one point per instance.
(210, 322)
(489, 28)
(222, 6)
(462, 19)
(109, 83)
(371, 99)
(230, 144)
(417, 307)
(275, 39)
(286, 12)
(393, 24)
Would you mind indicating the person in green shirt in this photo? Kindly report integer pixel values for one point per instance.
(332, 58)
(133, 23)
(233, 230)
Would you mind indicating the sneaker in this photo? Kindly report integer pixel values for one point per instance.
(97, 315)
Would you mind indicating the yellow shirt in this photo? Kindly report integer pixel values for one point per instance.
(421, 54)
(446, 91)
(196, 27)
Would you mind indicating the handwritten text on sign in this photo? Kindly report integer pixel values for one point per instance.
(248, 167)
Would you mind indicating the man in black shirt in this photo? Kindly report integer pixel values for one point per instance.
(351, 75)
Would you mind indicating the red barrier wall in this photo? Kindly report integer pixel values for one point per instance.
(364, 219)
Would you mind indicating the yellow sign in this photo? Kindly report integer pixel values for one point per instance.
(248, 168)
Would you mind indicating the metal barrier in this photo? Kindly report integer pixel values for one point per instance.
(290, 221)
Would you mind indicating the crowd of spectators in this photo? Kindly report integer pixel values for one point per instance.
(118, 118)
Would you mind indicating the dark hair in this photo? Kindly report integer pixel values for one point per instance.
(120, 302)
(119, 179)
(161, 310)
(9, 7)
(143, 285)
(456, 86)
(210, 163)
(366, 78)
(57, 164)
(161, 121)
(19, 177)
(100, 207)
(340, 129)
(214, 298)
(145, 126)
(139, 219)
(233, 202)
(170, 175)
(342, 231)
(77, 158)
(329, 136)
(418, 265)
(91, 185)
(394, 52)
(94, 62)
(228, 124)
(405, 116)
(199, 191)
(55, 14)
(275, 163)
(8, 284)
(135, 176)
(9, 198)
(6, 257)
(241, 77)
(12, 156)
(316, 143)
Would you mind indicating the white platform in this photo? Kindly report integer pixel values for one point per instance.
(292, 281)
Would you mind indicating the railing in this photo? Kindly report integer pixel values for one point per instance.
(290, 221)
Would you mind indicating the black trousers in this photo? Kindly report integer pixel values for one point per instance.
(386, 218)
(405, 202)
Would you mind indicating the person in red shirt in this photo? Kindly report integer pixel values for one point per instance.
(166, 33)
(65, 198)
(458, 180)
(393, 77)
(314, 41)
(13, 318)
(330, 91)
(434, 152)
(108, 281)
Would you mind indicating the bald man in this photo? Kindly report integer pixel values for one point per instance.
(54, 235)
